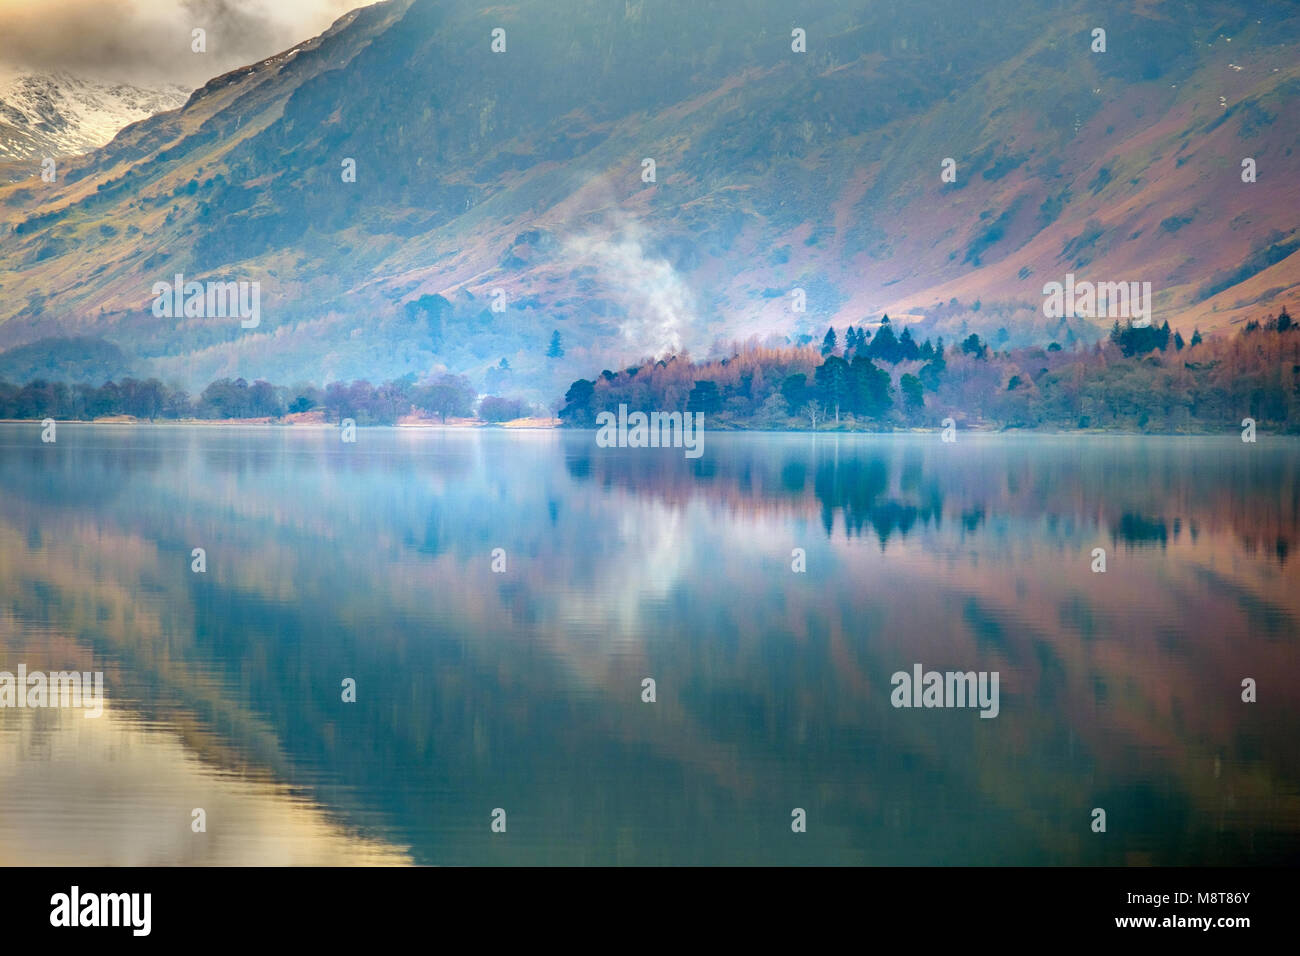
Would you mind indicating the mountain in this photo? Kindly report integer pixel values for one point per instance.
(56, 114)
(517, 180)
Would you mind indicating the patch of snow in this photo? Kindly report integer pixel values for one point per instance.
(57, 114)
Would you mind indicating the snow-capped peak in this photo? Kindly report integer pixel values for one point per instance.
(57, 114)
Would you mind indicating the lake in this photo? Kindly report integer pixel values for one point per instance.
(499, 598)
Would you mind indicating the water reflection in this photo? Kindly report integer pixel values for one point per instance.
(522, 690)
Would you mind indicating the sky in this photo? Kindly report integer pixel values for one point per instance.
(148, 41)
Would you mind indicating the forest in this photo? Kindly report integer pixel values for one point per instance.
(1138, 379)
(1145, 379)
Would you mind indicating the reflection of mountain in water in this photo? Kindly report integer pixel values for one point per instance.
(521, 690)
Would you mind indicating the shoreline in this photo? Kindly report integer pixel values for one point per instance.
(459, 423)
(544, 424)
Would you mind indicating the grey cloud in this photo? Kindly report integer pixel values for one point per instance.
(148, 41)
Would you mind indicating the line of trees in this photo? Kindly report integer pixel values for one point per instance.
(445, 395)
(1141, 378)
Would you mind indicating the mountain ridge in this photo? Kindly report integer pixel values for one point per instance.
(775, 171)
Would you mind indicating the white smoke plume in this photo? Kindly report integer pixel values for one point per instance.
(661, 310)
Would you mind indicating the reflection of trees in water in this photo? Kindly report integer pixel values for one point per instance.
(1262, 541)
(858, 490)
(1139, 529)
(1143, 492)
(855, 489)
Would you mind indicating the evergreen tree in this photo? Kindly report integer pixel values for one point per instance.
(704, 397)
(973, 346)
(828, 343)
(913, 392)
(795, 390)
(577, 408)
(907, 349)
(833, 383)
(1138, 340)
(1196, 337)
(869, 388)
(556, 348)
(884, 346)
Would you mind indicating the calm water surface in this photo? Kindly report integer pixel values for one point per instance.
(522, 690)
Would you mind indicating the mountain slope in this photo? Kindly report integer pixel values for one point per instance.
(515, 179)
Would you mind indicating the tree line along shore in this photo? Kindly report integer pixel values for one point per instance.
(1145, 379)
